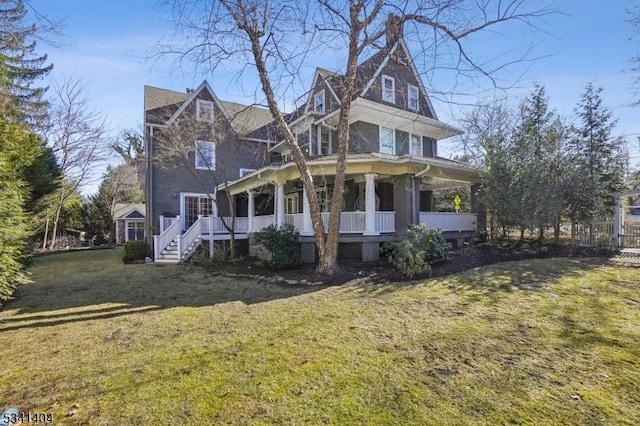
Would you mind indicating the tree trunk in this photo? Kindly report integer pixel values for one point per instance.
(55, 229)
(556, 230)
(46, 234)
(541, 233)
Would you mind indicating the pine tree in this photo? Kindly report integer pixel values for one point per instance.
(19, 148)
(20, 98)
(540, 165)
(598, 158)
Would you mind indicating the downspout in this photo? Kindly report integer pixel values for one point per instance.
(426, 169)
(149, 184)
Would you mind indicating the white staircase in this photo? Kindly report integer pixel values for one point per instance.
(173, 247)
(170, 253)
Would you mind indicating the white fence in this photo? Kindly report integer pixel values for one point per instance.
(449, 221)
(592, 234)
(601, 234)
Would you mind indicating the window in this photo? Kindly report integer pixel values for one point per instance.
(324, 146)
(412, 98)
(204, 110)
(388, 89)
(205, 155)
(244, 172)
(387, 141)
(416, 145)
(318, 102)
(135, 231)
(291, 204)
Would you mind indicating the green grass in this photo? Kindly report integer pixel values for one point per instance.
(552, 341)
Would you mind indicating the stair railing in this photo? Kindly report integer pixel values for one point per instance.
(160, 242)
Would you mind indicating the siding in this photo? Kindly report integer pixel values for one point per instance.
(398, 67)
(232, 154)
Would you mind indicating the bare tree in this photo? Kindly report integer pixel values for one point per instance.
(279, 37)
(77, 135)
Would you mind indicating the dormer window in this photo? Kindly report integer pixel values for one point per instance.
(204, 110)
(388, 89)
(318, 102)
(412, 98)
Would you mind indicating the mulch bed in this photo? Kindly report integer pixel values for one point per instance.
(380, 272)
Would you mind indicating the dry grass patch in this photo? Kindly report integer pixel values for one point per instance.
(541, 342)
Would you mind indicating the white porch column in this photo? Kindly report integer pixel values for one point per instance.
(279, 204)
(116, 236)
(252, 210)
(307, 227)
(370, 204)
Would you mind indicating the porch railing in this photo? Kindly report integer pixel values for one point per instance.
(261, 222)
(166, 222)
(445, 221)
(216, 225)
(160, 242)
(386, 221)
(294, 219)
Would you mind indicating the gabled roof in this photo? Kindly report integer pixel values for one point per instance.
(163, 106)
(388, 53)
(123, 210)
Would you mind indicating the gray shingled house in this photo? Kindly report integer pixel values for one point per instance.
(242, 163)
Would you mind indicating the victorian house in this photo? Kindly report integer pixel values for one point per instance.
(242, 165)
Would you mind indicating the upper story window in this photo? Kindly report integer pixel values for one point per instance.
(318, 102)
(205, 155)
(387, 140)
(388, 89)
(412, 98)
(204, 110)
(416, 145)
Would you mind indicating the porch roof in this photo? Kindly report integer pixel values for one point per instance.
(383, 164)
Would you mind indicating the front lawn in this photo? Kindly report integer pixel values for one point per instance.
(539, 341)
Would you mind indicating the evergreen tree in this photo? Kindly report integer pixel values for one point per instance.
(19, 148)
(20, 98)
(99, 219)
(597, 157)
(539, 165)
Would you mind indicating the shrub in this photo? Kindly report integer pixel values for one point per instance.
(135, 251)
(413, 256)
(282, 244)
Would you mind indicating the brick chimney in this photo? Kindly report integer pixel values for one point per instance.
(394, 29)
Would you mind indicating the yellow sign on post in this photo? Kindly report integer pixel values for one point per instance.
(456, 203)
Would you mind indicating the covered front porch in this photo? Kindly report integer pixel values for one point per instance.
(382, 196)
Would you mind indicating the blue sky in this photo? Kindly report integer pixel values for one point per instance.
(107, 42)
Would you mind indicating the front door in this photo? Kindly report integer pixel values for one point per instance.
(194, 206)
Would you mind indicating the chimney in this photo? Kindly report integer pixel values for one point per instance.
(394, 29)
